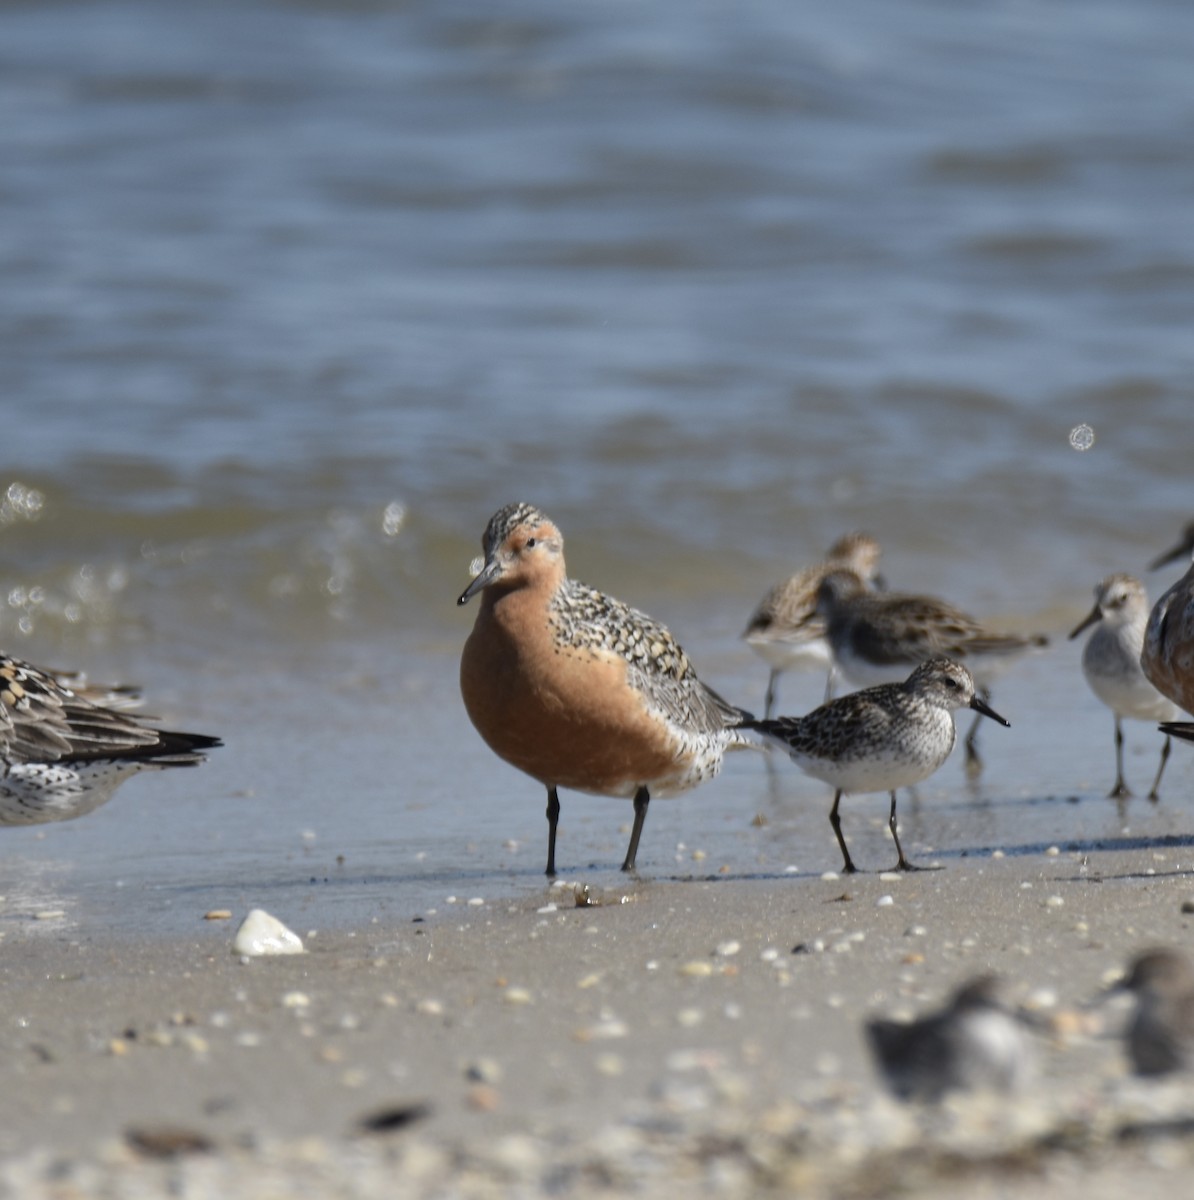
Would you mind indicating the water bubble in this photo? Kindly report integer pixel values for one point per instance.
(20, 503)
(1082, 437)
(393, 519)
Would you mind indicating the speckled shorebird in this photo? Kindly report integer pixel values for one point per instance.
(1111, 664)
(579, 690)
(62, 755)
(786, 630)
(880, 739)
(973, 1044)
(1160, 1035)
(1167, 656)
(878, 637)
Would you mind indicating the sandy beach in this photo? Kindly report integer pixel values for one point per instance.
(295, 296)
(660, 1037)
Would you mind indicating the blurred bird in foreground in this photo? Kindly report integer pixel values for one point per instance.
(972, 1044)
(1160, 1035)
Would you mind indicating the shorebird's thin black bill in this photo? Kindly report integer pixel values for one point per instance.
(981, 706)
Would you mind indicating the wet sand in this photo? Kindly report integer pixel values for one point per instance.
(679, 1035)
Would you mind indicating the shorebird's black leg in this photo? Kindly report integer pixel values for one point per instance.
(903, 864)
(848, 867)
(769, 702)
(641, 799)
(1155, 793)
(1121, 790)
(553, 819)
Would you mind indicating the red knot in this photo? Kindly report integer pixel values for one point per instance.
(577, 689)
(787, 632)
(880, 739)
(1167, 656)
(877, 637)
(63, 755)
(1111, 664)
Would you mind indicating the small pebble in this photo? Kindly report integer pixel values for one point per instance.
(218, 914)
(1054, 902)
(728, 949)
(484, 1070)
(607, 1029)
(884, 902)
(296, 1000)
(518, 995)
(697, 970)
(1040, 998)
(1052, 852)
(261, 934)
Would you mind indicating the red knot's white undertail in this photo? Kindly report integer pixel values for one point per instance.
(1111, 664)
(787, 632)
(1160, 1035)
(880, 739)
(579, 690)
(972, 1044)
(1168, 653)
(878, 637)
(62, 755)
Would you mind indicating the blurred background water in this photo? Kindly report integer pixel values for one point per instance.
(293, 295)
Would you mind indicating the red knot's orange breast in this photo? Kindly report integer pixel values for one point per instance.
(565, 714)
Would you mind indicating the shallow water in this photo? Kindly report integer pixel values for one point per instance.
(293, 296)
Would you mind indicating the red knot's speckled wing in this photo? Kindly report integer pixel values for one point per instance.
(584, 618)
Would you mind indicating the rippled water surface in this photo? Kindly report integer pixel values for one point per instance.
(294, 295)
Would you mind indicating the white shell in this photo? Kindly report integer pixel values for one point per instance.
(260, 934)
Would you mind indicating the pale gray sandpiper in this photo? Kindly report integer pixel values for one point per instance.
(579, 690)
(1160, 1034)
(880, 739)
(878, 637)
(786, 630)
(1111, 664)
(972, 1044)
(62, 755)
